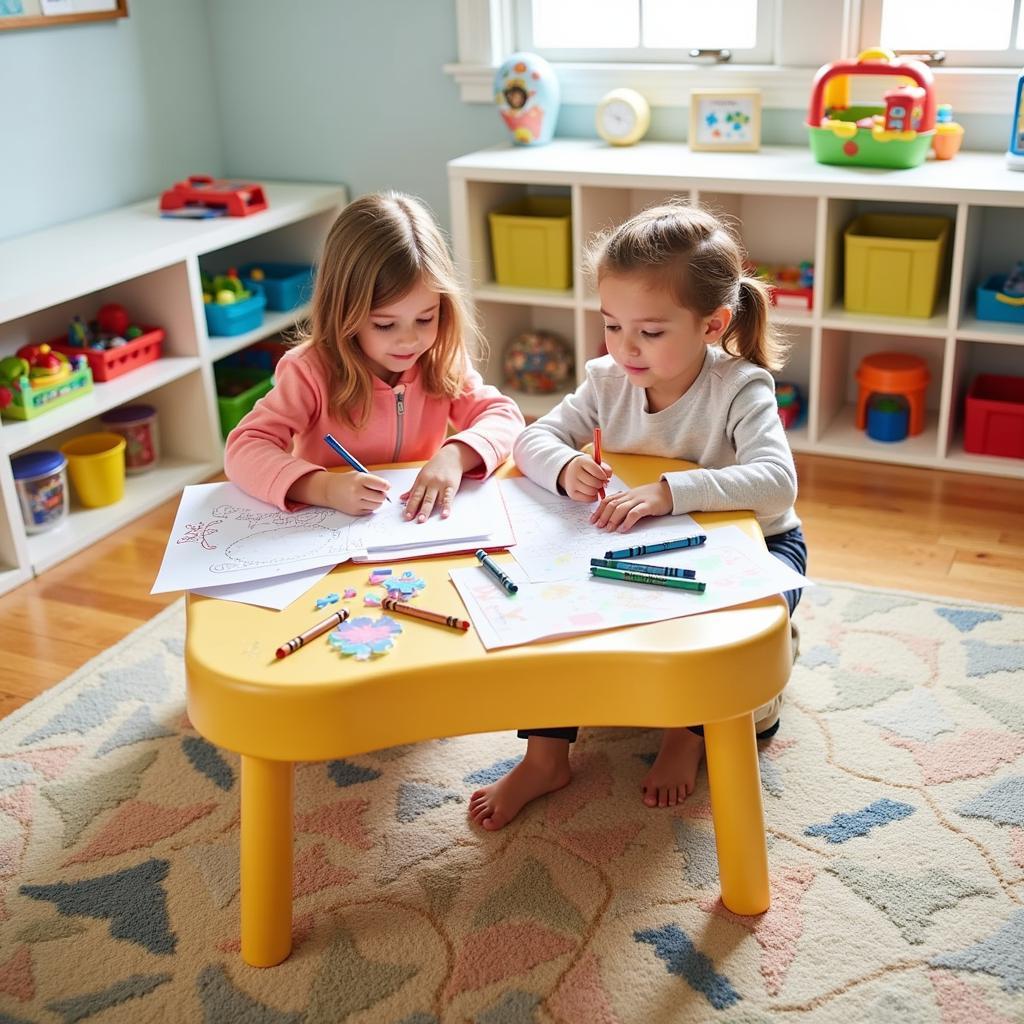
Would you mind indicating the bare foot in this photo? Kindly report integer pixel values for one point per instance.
(674, 772)
(544, 769)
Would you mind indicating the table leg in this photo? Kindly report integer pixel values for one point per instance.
(735, 785)
(266, 860)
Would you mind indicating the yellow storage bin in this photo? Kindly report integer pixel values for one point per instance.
(532, 243)
(894, 263)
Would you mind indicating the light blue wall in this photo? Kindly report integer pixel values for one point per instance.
(99, 115)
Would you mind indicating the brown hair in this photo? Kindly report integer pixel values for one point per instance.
(700, 261)
(379, 247)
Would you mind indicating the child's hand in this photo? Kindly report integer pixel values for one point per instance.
(583, 478)
(358, 494)
(437, 483)
(624, 509)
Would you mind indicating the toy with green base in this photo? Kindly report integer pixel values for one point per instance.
(25, 392)
(896, 135)
(1015, 154)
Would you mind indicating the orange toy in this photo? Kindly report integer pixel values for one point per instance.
(893, 373)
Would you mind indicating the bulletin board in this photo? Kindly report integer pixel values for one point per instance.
(45, 13)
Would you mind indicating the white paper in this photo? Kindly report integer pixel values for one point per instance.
(276, 593)
(554, 535)
(222, 535)
(735, 568)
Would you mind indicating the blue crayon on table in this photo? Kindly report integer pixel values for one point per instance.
(650, 549)
(495, 570)
(654, 570)
(333, 443)
(697, 586)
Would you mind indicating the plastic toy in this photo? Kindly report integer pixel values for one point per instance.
(888, 417)
(323, 602)
(538, 363)
(528, 96)
(32, 382)
(897, 134)
(402, 587)
(790, 403)
(948, 134)
(889, 374)
(111, 342)
(791, 287)
(235, 198)
(1015, 154)
(364, 636)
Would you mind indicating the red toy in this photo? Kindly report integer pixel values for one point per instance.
(237, 198)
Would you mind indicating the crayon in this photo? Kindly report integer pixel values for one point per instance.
(391, 605)
(650, 549)
(333, 444)
(312, 633)
(643, 577)
(597, 456)
(495, 570)
(654, 570)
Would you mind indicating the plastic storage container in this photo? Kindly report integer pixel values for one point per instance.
(41, 480)
(286, 285)
(238, 390)
(894, 263)
(96, 466)
(531, 241)
(110, 363)
(995, 416)
(236, 317)
(137, 424)
(994, 304)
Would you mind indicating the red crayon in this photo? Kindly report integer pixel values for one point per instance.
(597, 455)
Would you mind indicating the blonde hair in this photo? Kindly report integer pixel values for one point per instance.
(697, 257)
(376, 251)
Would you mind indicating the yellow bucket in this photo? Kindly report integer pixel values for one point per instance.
(96, 466)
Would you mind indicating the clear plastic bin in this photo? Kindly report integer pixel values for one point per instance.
(41, 480)
(137, 424)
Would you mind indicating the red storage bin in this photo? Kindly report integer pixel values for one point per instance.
(111, 363)
(995, 416)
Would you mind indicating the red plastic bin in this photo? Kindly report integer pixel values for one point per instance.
(995, 416)
(111, 363)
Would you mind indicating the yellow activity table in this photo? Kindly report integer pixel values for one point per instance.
(712, 669)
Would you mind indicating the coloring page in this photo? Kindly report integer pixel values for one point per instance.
(554, 535)
(735, 568)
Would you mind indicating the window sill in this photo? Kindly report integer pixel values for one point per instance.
(969, 90)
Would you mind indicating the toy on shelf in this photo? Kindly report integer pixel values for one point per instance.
(888, 375)
(897, 134)
(538, 363)
(1001, 297)
(41, 483)
(949, 135)
(994, 421)
(111, 343)
(791, 287)
(790, 402)
(528, 96)
(137, 424)
(203, 196)
(1015, 154)
(888, 417)
(96, 467)
(233, 306)
(37, 379)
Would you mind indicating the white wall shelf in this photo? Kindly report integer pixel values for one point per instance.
(152, 266)
(787, 208)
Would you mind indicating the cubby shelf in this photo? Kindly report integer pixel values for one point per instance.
(787, 208)
(152, 266)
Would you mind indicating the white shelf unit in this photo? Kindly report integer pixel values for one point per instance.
(151, 266)
(787, 208)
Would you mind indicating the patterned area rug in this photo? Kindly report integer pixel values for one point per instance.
(894, 794)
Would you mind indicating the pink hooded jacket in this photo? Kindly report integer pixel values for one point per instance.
(281, 440)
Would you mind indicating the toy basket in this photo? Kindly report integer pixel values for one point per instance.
(238, 391)
(30, 402)
(994, 304)
(236, 317)
(286, 285)
(995, 416)
(106, 364)
(531, 243)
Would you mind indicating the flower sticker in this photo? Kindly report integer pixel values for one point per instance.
(403, 587)
(360, 638)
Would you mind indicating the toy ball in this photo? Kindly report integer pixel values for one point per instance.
(225, 297)
(256, 274)
(528, 97)
(538, 363)
(112, 318)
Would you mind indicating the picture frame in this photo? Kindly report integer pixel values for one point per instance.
(725, 120)
(16, 14)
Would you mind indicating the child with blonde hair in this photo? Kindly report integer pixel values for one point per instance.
(385, 368)
(690, 346)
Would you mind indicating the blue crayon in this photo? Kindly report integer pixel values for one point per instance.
(654, 570)
(495, 570)
(336, 447)
(650, 549)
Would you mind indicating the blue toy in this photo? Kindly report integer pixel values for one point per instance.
(888, 417)
(1015, 154)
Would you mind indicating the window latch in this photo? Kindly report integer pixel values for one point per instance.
(715, 56)
(930, 57)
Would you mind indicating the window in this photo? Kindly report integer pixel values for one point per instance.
(981, 33)
(661, 31)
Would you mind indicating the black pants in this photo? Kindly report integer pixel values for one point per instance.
(790, 548)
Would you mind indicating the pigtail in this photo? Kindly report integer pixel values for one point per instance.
(751, 334)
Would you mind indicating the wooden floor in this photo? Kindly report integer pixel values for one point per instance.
(956, 535)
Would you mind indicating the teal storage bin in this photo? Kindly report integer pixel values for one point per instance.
(286, 285)
(238, 391)
(994, 304)
(236, 317)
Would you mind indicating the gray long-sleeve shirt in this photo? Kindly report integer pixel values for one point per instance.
(727, 422)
